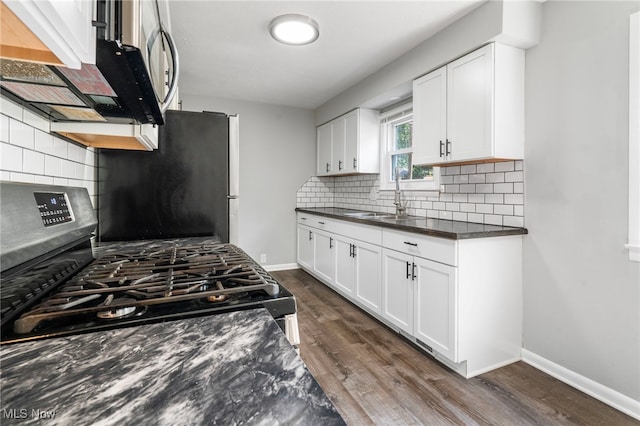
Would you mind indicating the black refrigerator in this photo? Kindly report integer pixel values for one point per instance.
(187, 187)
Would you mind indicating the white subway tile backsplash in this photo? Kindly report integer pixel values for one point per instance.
(517, 221)
(10, 157)
(33, 162)
(491, 193)
(494, 177)
(518, 187)
(484, 188)
(478, 178)
(503, 209)
(494, 198)
(484, 208)
(28, 153)
(21, 134)
(476, 198)
(60, 147)
(48, 180)
(513, 177)
(22, 177)
(76, 153)
(43, 142)
(513, 198)
(461, 179)
(468, 169)
(10, 109)
(503, 188)
(475, 218)
(485, 168)
(35, 121)
(505, 166)
(492, 219)
(4, 128)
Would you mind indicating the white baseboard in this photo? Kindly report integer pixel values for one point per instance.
(607, 395)
(282, 267)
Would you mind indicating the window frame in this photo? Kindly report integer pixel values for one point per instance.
(388, 120)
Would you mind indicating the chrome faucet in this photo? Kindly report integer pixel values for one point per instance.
(401, 207)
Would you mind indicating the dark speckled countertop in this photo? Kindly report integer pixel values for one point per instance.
(450, 229)
(230, 369)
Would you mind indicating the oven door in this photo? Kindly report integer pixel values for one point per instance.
(141, 23)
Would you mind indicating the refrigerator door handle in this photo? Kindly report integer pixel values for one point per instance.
(232, 197)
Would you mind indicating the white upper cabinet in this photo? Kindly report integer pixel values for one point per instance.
(472, 109)
(324, 149)
(64, 27)
(349, 144)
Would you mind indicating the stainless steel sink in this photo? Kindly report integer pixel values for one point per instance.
(364, 214)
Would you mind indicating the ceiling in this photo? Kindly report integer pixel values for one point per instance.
(226, 51)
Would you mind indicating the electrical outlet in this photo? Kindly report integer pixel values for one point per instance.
(373, 195)
(263, 258)
(441, 188)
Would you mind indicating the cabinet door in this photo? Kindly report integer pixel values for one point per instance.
(397, 287)
(352, 139)
(324, 149)
(470, 105)
(368, 275)
(344, 274)
(430, 117)
(436, 307)
(305, 247)
(337, 145)
(323, 251)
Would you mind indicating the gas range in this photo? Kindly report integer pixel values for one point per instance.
(63, 290)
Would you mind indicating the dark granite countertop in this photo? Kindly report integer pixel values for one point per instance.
(234, 368)
(450, 229)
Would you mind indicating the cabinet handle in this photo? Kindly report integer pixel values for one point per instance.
(310, 235)
(350, 250)
(408, 274)
(441, 149)
(330, 242)
(303, 218)
(339, 164)
(411, 244)
(448, 150)
(355, 163)
(321, 223)
(413, 272)
(327, 167)
(354, 250)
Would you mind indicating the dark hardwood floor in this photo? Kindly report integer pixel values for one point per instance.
(374, 376)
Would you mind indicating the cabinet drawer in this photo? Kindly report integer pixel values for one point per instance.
(438, 249)
(318, 222)
(367, 233)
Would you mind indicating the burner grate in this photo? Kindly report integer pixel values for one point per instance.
(127, 280)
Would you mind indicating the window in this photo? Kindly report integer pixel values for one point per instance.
(397, 150)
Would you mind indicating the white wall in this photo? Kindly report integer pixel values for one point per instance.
(581, 292)
(277, 156)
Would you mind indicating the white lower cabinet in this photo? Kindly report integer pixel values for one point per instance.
(435, 307)
(323, 259)
(357, 271)
(368, 261)
(397, 289)
(419, 297)
(305, 246)
(460, 300)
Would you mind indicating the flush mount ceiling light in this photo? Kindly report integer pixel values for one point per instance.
(294, 29)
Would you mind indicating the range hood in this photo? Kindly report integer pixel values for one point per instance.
(116, 103)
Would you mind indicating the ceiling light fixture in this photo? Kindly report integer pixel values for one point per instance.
(294, 29)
